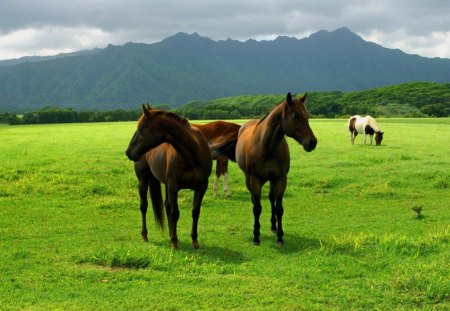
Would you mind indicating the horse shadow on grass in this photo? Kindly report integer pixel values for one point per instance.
(207, 259)
(292, 243)
(207, 253)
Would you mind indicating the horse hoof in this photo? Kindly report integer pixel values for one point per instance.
(280, 243)
(273, 230)
(174, 245)
(195, 245)
(256, 243)
(144, 239)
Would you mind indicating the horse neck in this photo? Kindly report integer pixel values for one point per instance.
(269, 130)
(182, 138)
(373, 124)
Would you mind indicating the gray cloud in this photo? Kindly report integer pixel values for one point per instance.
(413, 25)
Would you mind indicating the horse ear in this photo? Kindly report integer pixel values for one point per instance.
(148, 106)
(146, 111)
(289, 98)
(303, 98)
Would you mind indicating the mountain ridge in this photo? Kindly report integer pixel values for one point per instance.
(186, 67)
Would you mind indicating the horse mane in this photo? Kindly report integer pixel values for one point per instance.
(180, 119)
(372, 123)
(262, 119)
(303, 110)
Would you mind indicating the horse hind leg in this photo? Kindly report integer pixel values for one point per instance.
(216, 185)
(198, 198)
(226, 188)
(353, 135)
(224, 172)
(254, 186)
(216, 179)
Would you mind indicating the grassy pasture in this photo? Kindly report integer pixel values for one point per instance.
(70, 226)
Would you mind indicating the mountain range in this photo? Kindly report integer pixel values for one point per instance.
(187, 67)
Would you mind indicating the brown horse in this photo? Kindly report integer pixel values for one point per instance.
(167, 149)
(263, 155)
(215, 132)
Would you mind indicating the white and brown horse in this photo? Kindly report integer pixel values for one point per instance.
(366, 126)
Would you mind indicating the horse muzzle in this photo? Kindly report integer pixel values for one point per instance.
(309, 145)
(133, 156)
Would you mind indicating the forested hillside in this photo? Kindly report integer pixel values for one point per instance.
(417, 99)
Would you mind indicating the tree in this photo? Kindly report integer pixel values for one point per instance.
(436, 110)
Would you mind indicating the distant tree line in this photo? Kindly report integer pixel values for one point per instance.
(68, 115)
(216, 112)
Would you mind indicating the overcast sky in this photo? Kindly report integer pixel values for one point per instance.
(48, 27)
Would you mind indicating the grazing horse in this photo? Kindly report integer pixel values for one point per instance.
(365, 126)
(262, 153)
(215, 132)
(167, 149)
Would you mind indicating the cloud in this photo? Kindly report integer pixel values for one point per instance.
(413, 25)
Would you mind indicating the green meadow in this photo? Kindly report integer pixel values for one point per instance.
(70, 226)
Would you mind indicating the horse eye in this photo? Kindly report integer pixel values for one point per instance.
(138, 135)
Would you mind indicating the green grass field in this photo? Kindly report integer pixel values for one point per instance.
(70, 226)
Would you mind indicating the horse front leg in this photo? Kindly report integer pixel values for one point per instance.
(279, 189)
(273, 218)
(173, 214)
(198, 198)
(143, 189)
(254, 186)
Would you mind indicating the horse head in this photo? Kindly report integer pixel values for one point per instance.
(378, 137)
(295, 124)
(146, 137)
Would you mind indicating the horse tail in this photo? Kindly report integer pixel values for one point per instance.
(157, 201)
(227, 149)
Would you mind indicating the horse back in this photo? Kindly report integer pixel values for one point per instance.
(216, 129)
(225, 128)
